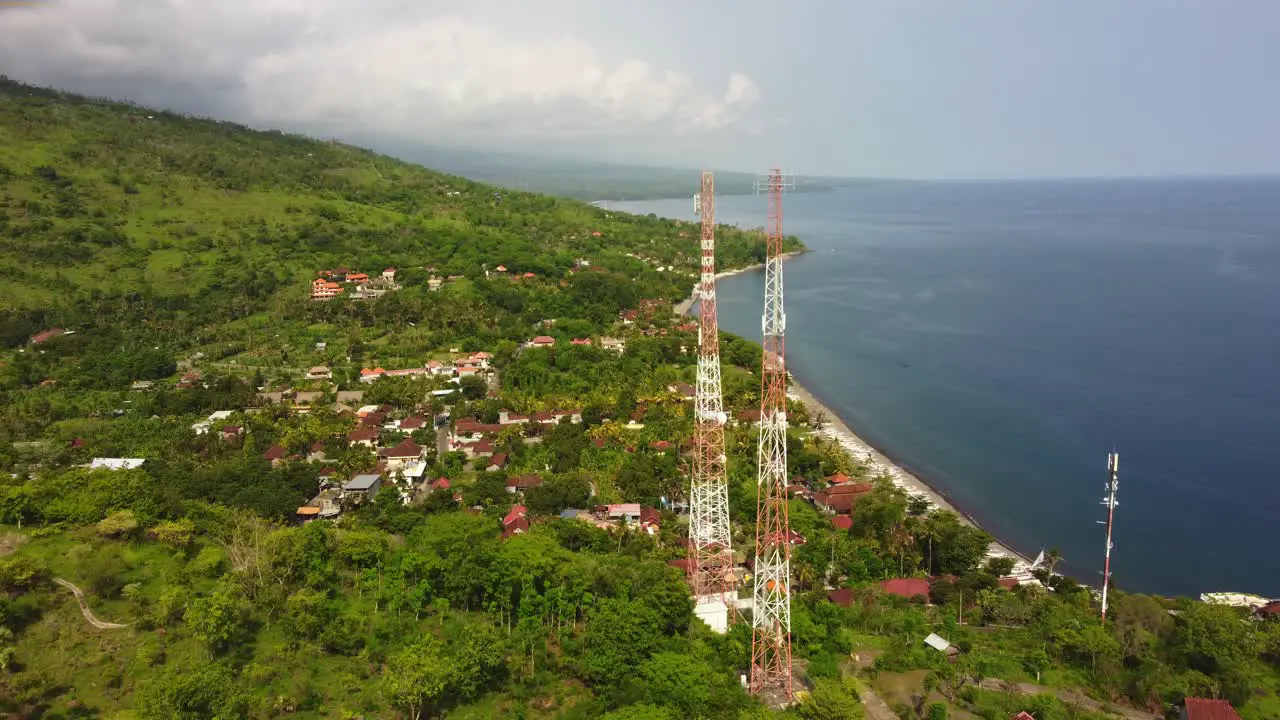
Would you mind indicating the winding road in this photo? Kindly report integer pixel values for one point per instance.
(84, 608)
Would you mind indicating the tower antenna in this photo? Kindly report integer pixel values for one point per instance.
(771, 612)
(1113, 484)
(715, 589)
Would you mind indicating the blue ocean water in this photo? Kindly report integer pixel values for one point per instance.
(998, 339)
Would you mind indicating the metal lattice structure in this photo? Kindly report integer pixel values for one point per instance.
(771, 616)
(711, 573)
(1113, 484)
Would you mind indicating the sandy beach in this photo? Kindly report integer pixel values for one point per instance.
(836, 429)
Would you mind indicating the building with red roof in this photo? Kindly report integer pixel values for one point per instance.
(842, 522)
(1207, 709)
(906, 587)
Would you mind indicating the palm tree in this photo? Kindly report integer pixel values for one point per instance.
(1052, 558)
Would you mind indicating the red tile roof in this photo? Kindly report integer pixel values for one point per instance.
(412, 423)
(842, 522)
(543, 340)
(842, 597)
(440, 482)
(363, 434)
(516, 513)
(906, 587)
(524, 482)
(406, 449)
(275, 452)
(1205, 709)
(498, 460)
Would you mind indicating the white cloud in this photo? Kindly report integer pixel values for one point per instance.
(369, 66)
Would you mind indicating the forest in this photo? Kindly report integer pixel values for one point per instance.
(179, 252)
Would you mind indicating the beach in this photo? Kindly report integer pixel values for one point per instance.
(865, 454)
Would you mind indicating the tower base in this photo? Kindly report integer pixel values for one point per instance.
(714, 613)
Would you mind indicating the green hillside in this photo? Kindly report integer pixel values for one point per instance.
(104, 199)
(521, 372)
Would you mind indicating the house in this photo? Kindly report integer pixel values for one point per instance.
(501, 268)
(363, 436)
(518, 526)
(542, 341)
(406, 452)
(685, 390)
(581, 341)
(496, 463)
(936, 642)
(357, 278)
(303, 400)
(46, 335)
(842, 597)
(650, 520)
(521, 483)
(116, 463)
(434, 283)
(274, 454)
(325, 290)
(1205, 709)
(362, 487)
(613, 344)
(1024, 715)
(231, 432)
(141, 385)
(350, 397)
(411, 423)
(315, 453)
(440, 483)
(389, 274)
(906, 587)
(271, 398)
(627, 512)
(506, 417)
(842, 522)
(660, 445)
(319, 372)
(751, 416)
(1270, 611)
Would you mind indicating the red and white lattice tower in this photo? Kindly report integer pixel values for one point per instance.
(1113, 484)
(771, 616)
(712, 570)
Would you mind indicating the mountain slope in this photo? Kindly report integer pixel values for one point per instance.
(99, 198)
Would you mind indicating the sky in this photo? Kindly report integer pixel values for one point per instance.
(890, 88)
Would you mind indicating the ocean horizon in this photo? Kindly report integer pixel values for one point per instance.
(998, 338)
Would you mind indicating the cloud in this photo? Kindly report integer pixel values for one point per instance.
(375, 66)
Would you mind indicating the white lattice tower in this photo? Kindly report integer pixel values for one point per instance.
(709, 533)
(771, 615)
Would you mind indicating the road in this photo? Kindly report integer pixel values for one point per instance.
(84, 608)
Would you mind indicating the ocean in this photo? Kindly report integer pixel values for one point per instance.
(998, 339)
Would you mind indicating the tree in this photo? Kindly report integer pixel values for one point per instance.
(832, 700)
(417, 677)
(937, 711)
(639, 712)
(620, 635)
(217, 620)
(205, 692)
(679, 680)
(474, 387)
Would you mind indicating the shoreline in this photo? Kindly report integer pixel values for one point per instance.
(835, 428)
(684, 306)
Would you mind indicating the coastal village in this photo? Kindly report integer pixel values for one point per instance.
(368, 440)
(395, 451)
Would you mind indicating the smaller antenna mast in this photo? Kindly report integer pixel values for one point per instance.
(1113, 465)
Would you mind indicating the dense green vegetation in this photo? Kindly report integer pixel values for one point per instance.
(181, 251)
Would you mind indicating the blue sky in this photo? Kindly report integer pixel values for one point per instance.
(895, 88)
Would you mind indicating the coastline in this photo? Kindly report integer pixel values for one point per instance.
(684, 306)
(877, 463)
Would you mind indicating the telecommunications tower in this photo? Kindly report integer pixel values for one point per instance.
(771, 615)
(1113, 484)
(714, 585)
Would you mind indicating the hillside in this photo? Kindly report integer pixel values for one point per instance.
(289, 429)
(102, 199)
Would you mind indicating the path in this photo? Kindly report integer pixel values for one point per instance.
(84, 609)
(1071, 697)
(877, 708)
